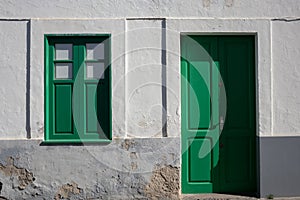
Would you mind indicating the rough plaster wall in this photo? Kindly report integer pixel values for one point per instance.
(144, 78)
(286, 77)
(145, 8)
(119, 170)
(13, 79)
(173, 79)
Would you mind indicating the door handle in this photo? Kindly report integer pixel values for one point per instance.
(221, 123)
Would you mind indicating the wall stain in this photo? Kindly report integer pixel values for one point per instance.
(134, 165)
(206, 3)
(24, 176)
(127, 144)
(68, 190)
(40, 127)
(133, 155)
(287, 19)
(229, 3)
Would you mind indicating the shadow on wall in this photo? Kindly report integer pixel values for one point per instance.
(1, 197)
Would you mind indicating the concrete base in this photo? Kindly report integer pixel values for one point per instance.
(123, 169)
(126, 169)
(279, 166)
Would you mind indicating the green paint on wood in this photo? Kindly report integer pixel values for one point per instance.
(228, 163)
(200, 166)
(63, 108)
(72, 116)
(199, 94)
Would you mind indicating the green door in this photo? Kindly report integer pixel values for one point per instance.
(215, 160)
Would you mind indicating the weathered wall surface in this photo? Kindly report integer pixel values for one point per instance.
(13, 64)
(145, 8)
(123, 169)
(144, 78)
(141, 104)
(286, 77)
(279, 154)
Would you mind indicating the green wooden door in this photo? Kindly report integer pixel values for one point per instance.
(200, 115)
(227, 162)
(77, 89)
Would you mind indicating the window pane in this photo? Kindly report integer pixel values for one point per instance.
(63, 70)
(63, 51)
(95, 70)
(94, 51)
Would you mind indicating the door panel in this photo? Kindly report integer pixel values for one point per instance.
(199, 119)
(199, 94)
(200, 169)
(230, 168)
(237, 164)
(236, 170)
(91, 108)
(63, 108)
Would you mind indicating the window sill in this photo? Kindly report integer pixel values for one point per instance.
(75, 142)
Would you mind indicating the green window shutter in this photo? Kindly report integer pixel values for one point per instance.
(77, 89)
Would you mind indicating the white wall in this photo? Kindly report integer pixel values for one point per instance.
(145, 8)
(13, 79)
(137, 94)
(286, 77)
(144, 78)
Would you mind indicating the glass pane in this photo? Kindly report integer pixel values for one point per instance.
(95, 70)
(63, 70)
(94, 51)
(63, 51)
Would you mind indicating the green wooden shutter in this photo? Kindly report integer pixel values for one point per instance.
(75, 101)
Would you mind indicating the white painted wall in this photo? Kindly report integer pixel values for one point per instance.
(144, 78)
(286, 77)
(137, 75)
(12, 79)
(145, 8)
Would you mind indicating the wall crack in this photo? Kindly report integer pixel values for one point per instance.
(286, 19)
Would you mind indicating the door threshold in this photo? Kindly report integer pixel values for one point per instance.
(214, 196)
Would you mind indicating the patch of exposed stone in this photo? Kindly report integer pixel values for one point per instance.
(68, 190)
(164, 183)
(24, 176)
